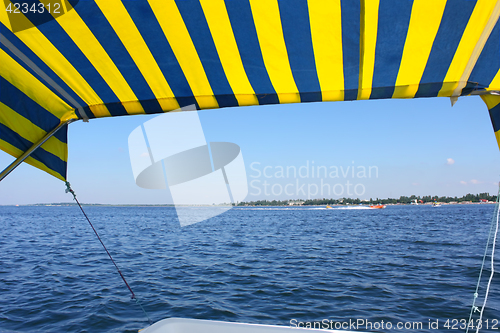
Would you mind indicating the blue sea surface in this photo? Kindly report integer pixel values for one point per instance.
(255, 265)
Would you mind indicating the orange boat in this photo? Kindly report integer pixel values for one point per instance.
(377, 206)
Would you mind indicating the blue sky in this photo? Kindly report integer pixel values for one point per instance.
(419, 146)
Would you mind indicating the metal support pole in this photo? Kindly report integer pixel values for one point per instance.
(30, 151)
(485, 92)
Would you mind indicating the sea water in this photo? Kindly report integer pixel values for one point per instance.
(281, 266)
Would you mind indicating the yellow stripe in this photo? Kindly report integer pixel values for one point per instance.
(497, 136)
(368, 42)
(28, 130)
(222, 33)
(79, 32)
(175, 31)
(491, 100)
(267, 20)
(33, 88)
(479, 27)
(64, 7)
(424, 24)
(51, 56)
(4, 18)
(495, 83)
(125, 28)
(326, 32)
(13, 151)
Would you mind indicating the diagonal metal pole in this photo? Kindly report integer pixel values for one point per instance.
(30, 151)
(43, 75)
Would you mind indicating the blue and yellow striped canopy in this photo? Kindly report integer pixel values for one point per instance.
(109, 58)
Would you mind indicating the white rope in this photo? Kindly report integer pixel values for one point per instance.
(492, 270)
(474, 308)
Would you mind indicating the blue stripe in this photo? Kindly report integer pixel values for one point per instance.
(28, 53)
(455, 18)
(36, 17)
(351, 14)
(297, 32)
(60, 39)
(495, 117)
(87, 111)
(488, 63)
(153, 35)
(393, 21)
(197, 25)
(29, 109)
(105, 34)
(470, 87)
(32, 72)
(50, 160)
(240, 15)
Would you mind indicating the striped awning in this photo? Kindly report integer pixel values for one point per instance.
(104, 58)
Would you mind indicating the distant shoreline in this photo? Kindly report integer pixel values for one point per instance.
(69, 204)
(468, 199)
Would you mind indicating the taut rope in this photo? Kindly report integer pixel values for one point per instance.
(70, 190)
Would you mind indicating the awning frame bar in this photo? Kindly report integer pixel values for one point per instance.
(32, 149)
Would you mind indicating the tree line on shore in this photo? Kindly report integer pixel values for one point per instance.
(349, 201)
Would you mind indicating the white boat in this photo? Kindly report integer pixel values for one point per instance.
(181, 325)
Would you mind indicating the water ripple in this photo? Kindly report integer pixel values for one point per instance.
(246, 265)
